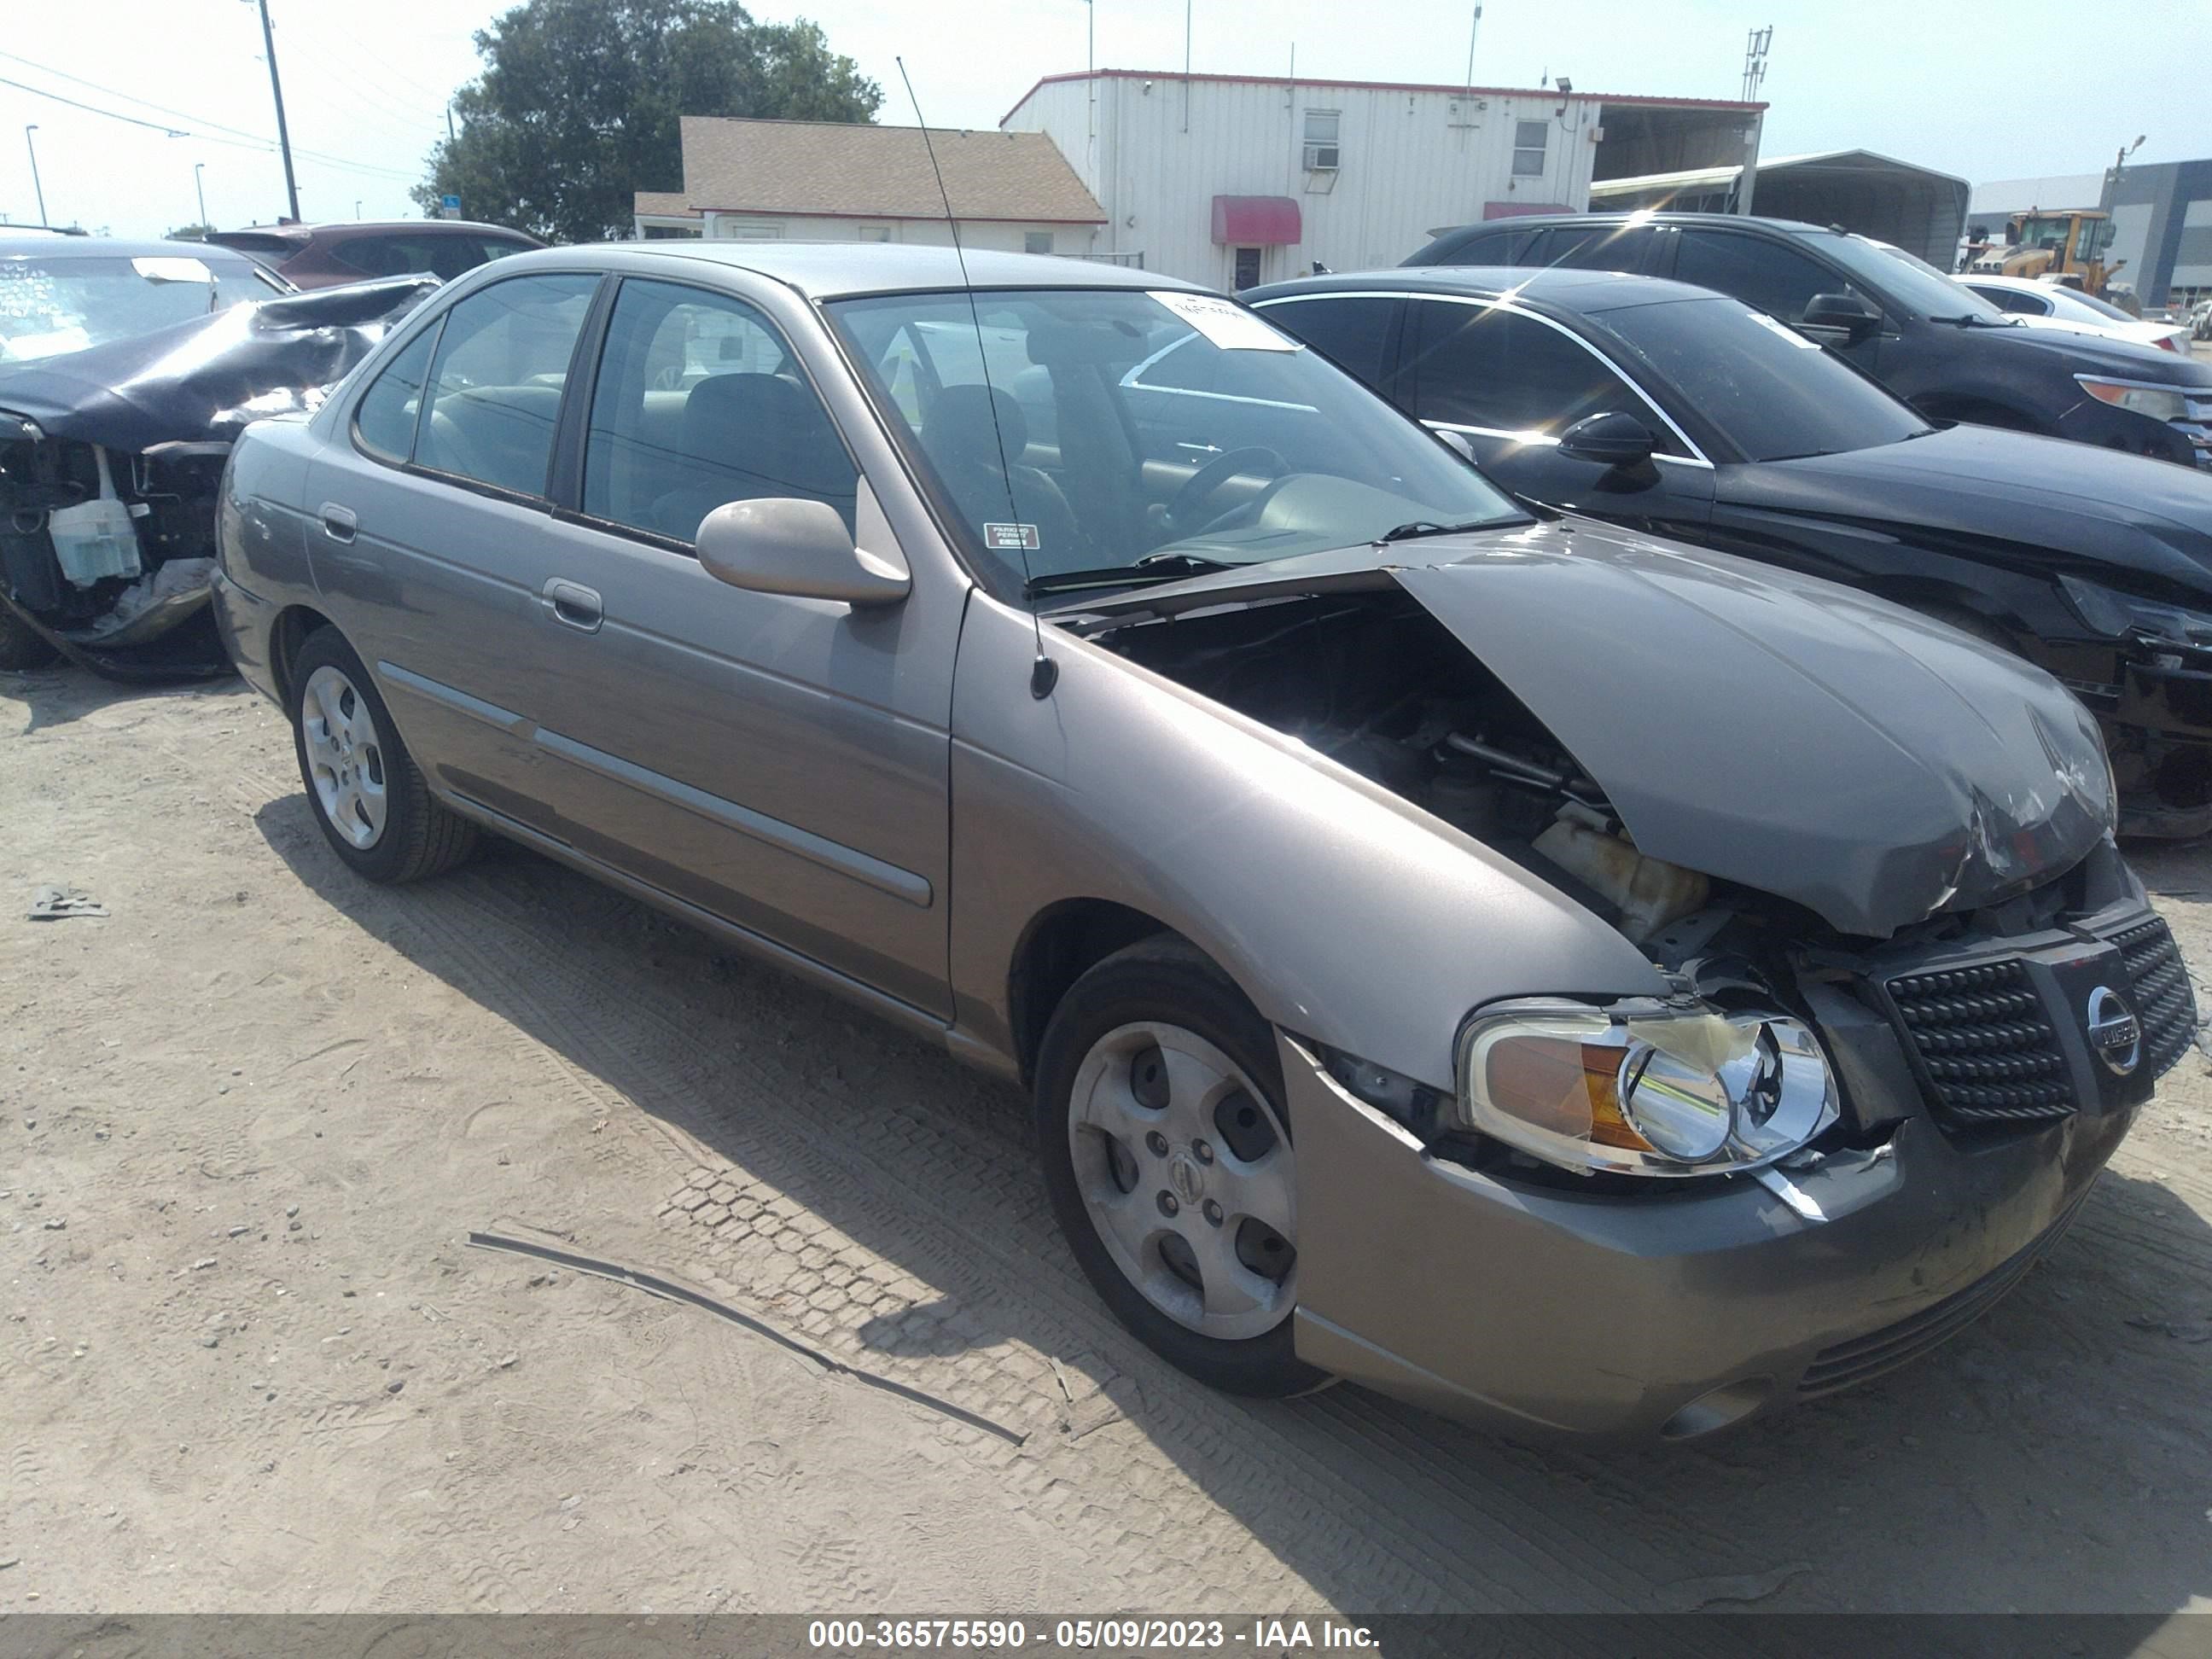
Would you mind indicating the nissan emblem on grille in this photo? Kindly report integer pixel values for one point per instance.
(2114, 1032)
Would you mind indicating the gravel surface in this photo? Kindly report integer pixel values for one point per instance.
(250, 1360)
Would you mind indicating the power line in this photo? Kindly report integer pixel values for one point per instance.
(264, 145)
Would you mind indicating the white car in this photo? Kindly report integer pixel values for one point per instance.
(2049, 304)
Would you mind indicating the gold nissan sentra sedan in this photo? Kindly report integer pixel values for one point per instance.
(1532, 967)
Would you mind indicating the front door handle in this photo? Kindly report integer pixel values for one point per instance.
(573, 605)
(338, 522)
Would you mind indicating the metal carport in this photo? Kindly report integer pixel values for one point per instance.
(1920, 210)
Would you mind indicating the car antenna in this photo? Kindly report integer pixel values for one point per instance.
(1044, 672)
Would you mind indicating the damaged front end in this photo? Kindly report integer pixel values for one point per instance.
(111, 467)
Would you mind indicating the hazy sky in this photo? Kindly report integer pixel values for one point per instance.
(1985, 90)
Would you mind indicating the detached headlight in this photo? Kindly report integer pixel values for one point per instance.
(1644, 1089)
(2161, 403)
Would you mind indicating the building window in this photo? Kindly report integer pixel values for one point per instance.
(670, 233)
(875, 233)
(752, 230)
(1036, 241)
(1322, 154)
(1529, 139)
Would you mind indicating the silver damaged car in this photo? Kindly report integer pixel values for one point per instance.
(1574, 980)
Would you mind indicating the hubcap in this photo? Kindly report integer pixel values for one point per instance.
(1187, 1178)
(345, 757)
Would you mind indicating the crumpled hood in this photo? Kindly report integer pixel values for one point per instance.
(2010, 496)
(205, 380)
(1777, 731)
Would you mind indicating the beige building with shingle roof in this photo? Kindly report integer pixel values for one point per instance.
(846, 182)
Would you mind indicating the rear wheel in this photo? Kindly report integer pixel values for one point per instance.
(1168, 1157)
(367, 794)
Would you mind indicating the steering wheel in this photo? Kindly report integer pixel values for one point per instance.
(1185, 514)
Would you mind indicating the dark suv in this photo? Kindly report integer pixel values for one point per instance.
(1929, 339)
(324, 256)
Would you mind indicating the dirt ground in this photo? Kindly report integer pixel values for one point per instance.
(251, 1362)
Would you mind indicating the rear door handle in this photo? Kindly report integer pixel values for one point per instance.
(338, 522)
(573, 605)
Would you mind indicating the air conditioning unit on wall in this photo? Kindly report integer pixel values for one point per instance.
(1321, 158)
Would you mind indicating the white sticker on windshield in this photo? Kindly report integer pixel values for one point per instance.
(1229, 326)
(1785, 330)
(166, 267)
(1010, 537)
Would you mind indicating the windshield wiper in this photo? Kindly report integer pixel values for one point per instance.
(1423, 528)
(1153, 568)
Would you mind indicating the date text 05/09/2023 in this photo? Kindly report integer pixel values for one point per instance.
(1115, 1635)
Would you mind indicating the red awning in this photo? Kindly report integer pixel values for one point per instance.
(1256, 221)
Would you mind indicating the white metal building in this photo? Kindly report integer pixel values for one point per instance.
(1233, 181)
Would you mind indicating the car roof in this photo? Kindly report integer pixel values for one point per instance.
(1589, 292)
(110, 248)
(303, 232)
(1641, 215)
(826, 270)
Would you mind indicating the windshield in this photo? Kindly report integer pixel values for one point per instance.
(50, 305)
(1116, 426)
(1912, 282)
(1771, 393)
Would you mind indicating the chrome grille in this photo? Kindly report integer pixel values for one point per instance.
(1985, 1043)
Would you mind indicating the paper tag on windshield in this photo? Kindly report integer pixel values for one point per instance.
(1229, 326)
(165, 268)
(1785, 330)
(1010, 537)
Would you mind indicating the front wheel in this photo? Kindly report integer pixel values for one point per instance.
(1168, 1157)
(369, 796)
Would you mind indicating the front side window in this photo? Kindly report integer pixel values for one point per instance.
(1529, 140)
(496, 384)
(1771, 276)
(1186, 426)
(700, 403)
(1771, 392)
(1485, 367)
(1595, 247)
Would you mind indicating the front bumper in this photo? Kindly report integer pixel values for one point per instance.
(1673, 1313)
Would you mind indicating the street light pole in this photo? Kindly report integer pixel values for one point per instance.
(36, 188)
(199, 189)
(276, 90)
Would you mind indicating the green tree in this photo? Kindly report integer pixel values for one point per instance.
(190, 234)
(578, 103)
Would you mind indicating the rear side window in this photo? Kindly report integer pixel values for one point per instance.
(384, 419)
(699, 404)
(496, 384)
(1352, 333)
(1482, 367)
(1501, 246)
(1595, 247)
(2006, 299)
(1763, 274)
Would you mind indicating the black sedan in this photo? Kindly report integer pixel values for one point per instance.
(1671, 408)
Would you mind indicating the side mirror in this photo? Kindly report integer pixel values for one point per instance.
(786, 545)
(1611, 439)
(1456, 442)
(1840, 319)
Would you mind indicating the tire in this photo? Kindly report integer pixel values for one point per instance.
(1160, 1128)
(21, 647)
(366, 791)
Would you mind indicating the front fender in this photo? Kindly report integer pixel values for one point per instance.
(1344, 913)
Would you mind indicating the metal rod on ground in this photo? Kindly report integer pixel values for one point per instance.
(36, 188)
(283, 133)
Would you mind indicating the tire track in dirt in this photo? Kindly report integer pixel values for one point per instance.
(616, 1022)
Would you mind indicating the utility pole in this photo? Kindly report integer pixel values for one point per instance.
(1754, 75)
(450, 139)
(1754, 62)
(277, 91)
(36, 188)
(199, 189)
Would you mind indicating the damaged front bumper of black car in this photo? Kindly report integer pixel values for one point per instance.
(111, 468)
